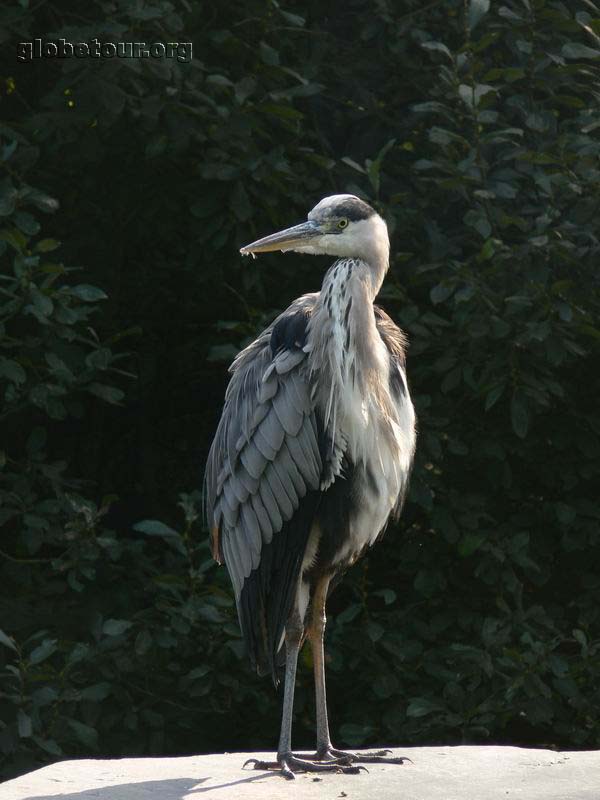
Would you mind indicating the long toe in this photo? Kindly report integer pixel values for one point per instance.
(289, 763)
(377, 757)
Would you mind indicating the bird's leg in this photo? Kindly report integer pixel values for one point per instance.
(293, 639)
(316, 633)
(287, 762)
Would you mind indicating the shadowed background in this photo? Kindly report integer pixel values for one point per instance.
(126, 189)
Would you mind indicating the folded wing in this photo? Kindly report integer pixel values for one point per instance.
(262, 479)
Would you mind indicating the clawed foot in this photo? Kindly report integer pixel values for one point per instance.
(327, 760)
(378, 757)
(288, 764)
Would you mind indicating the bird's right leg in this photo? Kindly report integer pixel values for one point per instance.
(326, 753)
(287, 762)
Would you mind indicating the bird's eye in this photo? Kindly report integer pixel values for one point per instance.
(343, 223)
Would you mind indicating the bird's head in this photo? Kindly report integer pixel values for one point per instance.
(340, 225)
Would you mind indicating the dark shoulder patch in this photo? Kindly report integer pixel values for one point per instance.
(290, 330)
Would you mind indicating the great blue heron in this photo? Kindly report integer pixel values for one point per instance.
(312, 455)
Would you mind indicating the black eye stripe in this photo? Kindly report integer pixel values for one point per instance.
(353, 210)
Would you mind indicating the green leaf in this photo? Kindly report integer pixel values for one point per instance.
(12, 370)
(49, 745)
(36, 440)
(355, 734)
(269, 55)
(46, 245)
(431, 107)
(421, 706)
(385, 685)
(43, 651)
(440, 293)
(7, 641)
(477, 219)
(43, 201)
(374, 630)
(240, 202)
(577, 50)
(494, 395)
(15, 239)
(277, 110)
(219, 80)
(27, 223)
(153, 527)
(469, 543)
(388, 595)
(87, 293)
(471, 95)
(143, 643)
(424, 163)
(116, 627)
(97, 692)
(9, 149)
(444, 137)
(351, 163)
(87, 735)
(519, 416)
(111, 394)
(349, 613)
(42, 303)
(156, 146)
(477, 10)
(222, 352)
(24, 725)
(438, 47)
(565, 312)
(99, 359)
(566, 514)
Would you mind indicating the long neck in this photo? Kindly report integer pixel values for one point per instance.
(372, 251)
(346, 349)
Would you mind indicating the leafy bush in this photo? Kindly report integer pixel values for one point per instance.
(473, 127)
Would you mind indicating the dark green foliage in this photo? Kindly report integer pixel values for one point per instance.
(474, 128)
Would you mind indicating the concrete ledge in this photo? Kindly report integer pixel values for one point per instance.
(437, 773)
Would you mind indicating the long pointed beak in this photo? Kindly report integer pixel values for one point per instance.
(290, 238)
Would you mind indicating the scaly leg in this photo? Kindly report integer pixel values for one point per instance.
(316, 633)
(287, 762)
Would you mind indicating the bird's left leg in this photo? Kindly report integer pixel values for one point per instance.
(287, 762)
(316, 633)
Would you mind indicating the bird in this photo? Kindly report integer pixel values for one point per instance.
(311, 458)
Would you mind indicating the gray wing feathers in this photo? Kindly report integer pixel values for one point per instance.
(288, 415)
(277, 488)
(287, 360)
(272, 431)
(253, 460)
(266, 447)
(265, 456)
(271, 506)
(262, 516)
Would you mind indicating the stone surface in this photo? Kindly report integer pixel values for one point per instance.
(436, 773)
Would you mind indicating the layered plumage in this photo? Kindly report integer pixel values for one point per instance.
(313, 451)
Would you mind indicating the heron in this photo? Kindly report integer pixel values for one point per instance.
(311, 457)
